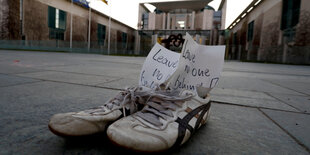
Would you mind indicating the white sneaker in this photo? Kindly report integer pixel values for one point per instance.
(167, 120)
(95, 120)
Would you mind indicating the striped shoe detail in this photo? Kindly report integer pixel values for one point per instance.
(184, 122)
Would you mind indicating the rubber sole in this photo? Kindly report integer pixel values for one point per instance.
(60, 134)
(136, 151)
(158, 151)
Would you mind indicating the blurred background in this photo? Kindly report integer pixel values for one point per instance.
(253, 30)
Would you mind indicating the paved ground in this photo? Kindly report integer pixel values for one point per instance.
(257, 109)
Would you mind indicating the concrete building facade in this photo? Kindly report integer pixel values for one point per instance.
(47, 23)
(271, 31)
(172, 19)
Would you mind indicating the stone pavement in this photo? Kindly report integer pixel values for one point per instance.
(257, 109)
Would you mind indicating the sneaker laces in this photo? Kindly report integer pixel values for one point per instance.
(161, 105)
(126, 99)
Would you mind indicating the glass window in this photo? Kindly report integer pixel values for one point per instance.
(62, 20)
(250, 30)
(145, 20)
(101, 34)
(124, 39)
(182, 20)
(56, 34)
(290, 13)
(56, 23)
(57, 19)
(51, 17)
(217, 17)
(235, 38)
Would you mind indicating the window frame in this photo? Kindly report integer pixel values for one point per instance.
(290, 14)
(145, 20)
(57, 20)
(101, 34)
(124, 39)
(250, 31)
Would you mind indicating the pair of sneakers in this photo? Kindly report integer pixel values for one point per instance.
(140, 118)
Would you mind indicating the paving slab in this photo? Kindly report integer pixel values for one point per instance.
(240, 130)
(252, 84)
(300, 86)
(117, 59)
(248, 98)
(126, 71)
(50, 97)
(15, 68)
(33, 140)
(266, 75)
(40, 62)
(26, 109)
(69, 77)
(299, 102)
(296, 124)
(252, 102)
(240, 93)
(266, 68)
(230, 130)
(40, 59)
(9, 80)
(120, 83)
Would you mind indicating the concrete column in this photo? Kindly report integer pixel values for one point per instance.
(204, 20)
(152, 18)
(173, 22)
(21, 16)
(168, 21)
(193, 20)
(258, 54)
(215, 37)
(164, 21)
(197, 38)
(239, 52)
(154, 39)
(210, 35)
(137, 43)
(232, 52)
(248, 55)
(285, 49)
(203, 40)
(207, 19)
(223, 15)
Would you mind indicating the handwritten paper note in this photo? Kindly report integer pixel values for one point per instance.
(159, 65)
(199, 66)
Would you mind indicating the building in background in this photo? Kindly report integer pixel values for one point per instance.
(172, 19)
(272, 31)
(267, 30)
(43, 24)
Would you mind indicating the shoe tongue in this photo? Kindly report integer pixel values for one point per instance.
(203, 91)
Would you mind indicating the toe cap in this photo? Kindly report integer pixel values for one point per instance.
(67, 125)
(124, 132)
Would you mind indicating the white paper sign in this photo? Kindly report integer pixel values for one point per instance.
(199, 66)
(159, 65)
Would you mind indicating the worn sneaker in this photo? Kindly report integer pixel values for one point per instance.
(95, 120)
(167, 120)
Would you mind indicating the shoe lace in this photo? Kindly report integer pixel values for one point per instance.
(126, 99)
(161, 105)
